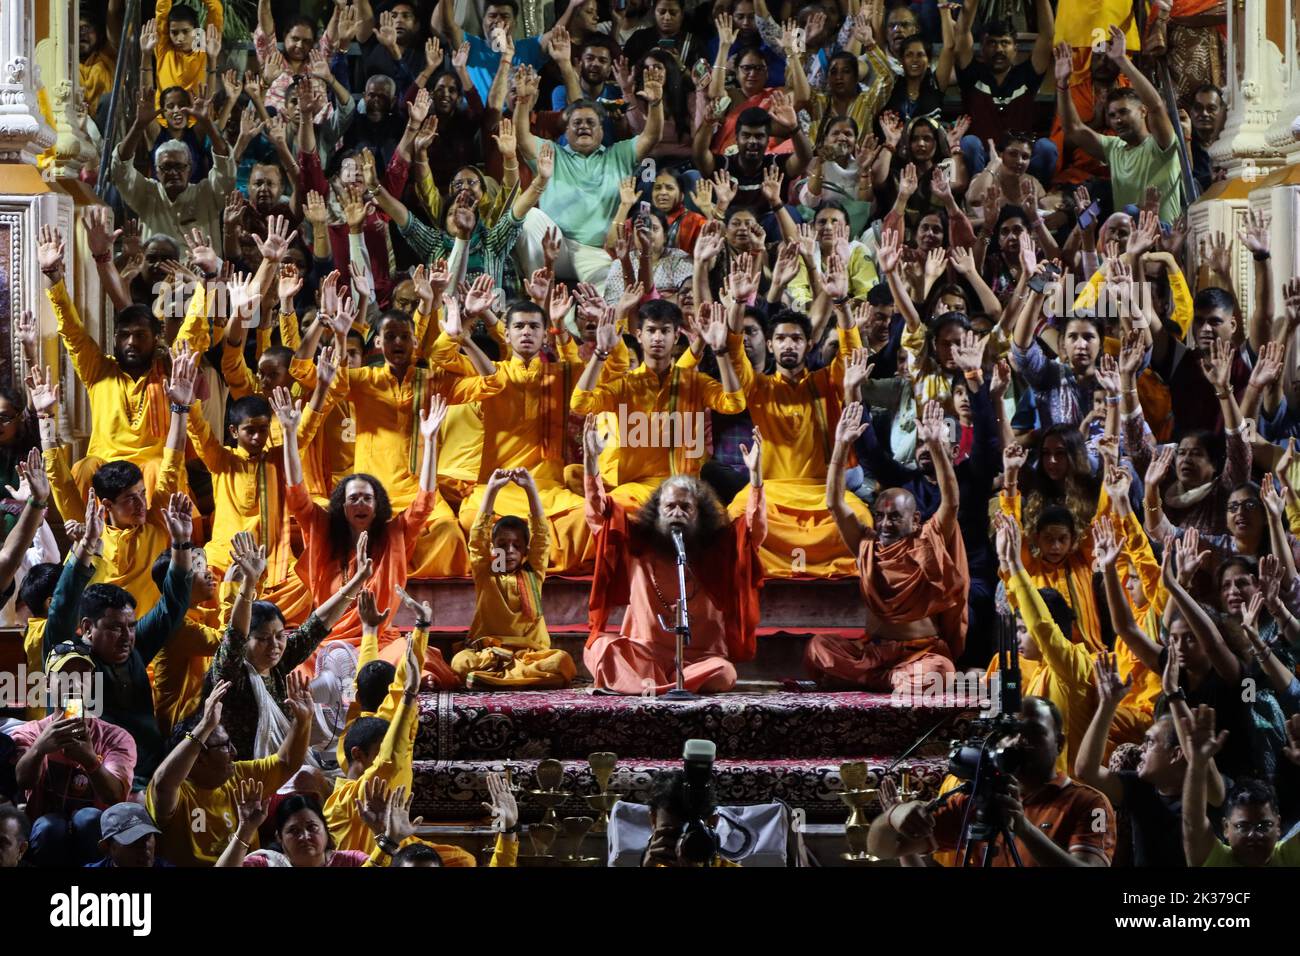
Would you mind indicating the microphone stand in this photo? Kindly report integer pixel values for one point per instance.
(682, 628)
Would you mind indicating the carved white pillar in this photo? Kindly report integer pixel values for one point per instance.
(23, 133)
(1255, 139)
(57, 57)
(1256, 88)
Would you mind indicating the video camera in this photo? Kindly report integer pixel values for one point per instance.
(699, 840)
(983, 761)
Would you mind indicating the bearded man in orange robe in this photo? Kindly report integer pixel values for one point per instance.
(636, 567)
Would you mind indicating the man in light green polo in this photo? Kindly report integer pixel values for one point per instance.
(583, 194)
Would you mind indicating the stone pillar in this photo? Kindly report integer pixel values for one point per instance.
(23, 133)
(27, 201)
(1261, 57)
(57, 56)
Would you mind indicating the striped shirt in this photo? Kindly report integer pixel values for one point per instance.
(489, 248)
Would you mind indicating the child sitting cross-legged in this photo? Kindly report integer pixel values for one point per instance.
(508, 642)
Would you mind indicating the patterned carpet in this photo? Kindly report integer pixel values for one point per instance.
(455, 790)
(569, 724)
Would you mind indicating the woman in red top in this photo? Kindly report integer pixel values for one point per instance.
(359, 504)
(667, 196)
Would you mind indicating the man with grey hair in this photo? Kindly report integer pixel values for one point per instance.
(378, 125)
(583, 194)
(636, 567)
(171, 204)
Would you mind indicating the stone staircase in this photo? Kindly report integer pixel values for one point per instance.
(792, 610)
(776, 741)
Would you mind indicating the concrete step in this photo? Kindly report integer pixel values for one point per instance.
(454, 790)
(792, 611)
(779, 657)
(787, 604)
(570, 724)
(825, 843)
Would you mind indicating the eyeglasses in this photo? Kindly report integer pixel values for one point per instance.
(457, 185)
(753, 68)
(228, 745)
(1249, 504)
(1262, 828)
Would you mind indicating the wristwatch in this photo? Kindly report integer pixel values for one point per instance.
(387, 844)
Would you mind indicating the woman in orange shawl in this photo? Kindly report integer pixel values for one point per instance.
(360, 504)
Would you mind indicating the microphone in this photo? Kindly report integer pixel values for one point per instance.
(679, 542)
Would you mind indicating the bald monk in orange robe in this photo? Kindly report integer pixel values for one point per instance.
(636, 566)
(914, 576)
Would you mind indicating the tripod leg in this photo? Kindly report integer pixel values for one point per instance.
(1011, 845)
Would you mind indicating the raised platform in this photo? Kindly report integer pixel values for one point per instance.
(449, 790)
(772, 746)
(824, 842)
(570, 724)
(805, 604)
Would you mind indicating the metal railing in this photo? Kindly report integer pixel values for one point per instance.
(126, 81)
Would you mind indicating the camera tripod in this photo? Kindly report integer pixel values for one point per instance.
(988, 833)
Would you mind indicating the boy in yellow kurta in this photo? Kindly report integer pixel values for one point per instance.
(35, 594)
(327, 441)
(660, 405)
(248, 488)
(385, 399)
(383, 749)
(524, 427)
(176, 61)
(796, 411)
(508, 642)
(378, 684)
(1064, 561)
(180, 665)
(136, 533)
(1054, 667)
(128, 404)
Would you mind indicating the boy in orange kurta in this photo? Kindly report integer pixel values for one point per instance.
(914, 577)
(365, 507)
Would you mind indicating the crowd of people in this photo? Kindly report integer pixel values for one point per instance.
(867, 288)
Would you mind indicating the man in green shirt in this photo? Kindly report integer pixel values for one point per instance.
(583, 195)
(1250, 815)
(1144, 150)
